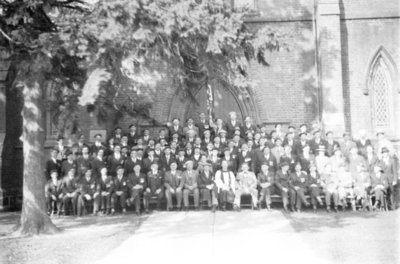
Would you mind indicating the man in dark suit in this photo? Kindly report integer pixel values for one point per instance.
(389, 165)
(331, 144)
(232, 124)
(166, 159)
(53, 164)
(175, 128)
(132, 161)
(97, 145)
(203, 125)
(173, 186)
(132, 135)
(316, 142)
(68, 164)
(84, 162)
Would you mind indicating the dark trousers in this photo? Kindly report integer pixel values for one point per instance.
(83, 204)
(300, 198)
(105, 202)
(290, 193)
(53, 205)
(226, 196)
(390, 197)
(69, 202)
(196, 196)
(266, 195)
(136, 194)
(147, 196)
(209, 195)
(169, 195)
(115, 198)
(314, 194)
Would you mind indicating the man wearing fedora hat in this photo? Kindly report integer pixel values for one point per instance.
(207, 187)
(173, 184)
(190, 178)
(316, 141)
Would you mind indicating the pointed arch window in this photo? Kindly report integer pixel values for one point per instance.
(381, 87)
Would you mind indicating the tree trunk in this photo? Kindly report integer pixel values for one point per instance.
(34, 218)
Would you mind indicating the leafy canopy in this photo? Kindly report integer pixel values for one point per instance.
(100, 50)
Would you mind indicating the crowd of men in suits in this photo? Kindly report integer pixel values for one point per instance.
(216, 163)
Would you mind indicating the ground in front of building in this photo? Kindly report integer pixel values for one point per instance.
(194, 237)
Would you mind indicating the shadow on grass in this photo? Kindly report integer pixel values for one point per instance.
(318, 222)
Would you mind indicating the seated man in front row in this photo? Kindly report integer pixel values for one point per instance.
(246, 184)
(208, 189)
(89, 193)
(70, 191)
(173, 186)
(266, 182)
(155, 186)
(53, 193)
(137, 184)
(120, 193)
(282, 181)
(190, 178)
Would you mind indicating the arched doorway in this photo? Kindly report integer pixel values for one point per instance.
(226, 99)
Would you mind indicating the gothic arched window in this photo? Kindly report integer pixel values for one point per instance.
(381, 88)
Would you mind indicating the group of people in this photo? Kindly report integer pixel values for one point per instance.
(215, 164)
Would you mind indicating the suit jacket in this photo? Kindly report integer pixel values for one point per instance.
(113, 163)
(230, 128)
(390, 169)
(165, 164)
(266, 178)
(147, 164)
(173, 180)
(282, 180)
(121, 184)
(53, 189)
(107, 185)
(202, 126)
(383, 180)
(172, 130)
(300, 180)
(155, 181)
(51, 165)
(97, 165)
(244, 158)
(245, 129)
(132, 139)
(314, 145)
(190, 178)
(66, 166)
(203, 180)
(94, 149)
(270, 160)
(70, 185)
(130, 164)
(88, 187)
(232, 164)
(83, 165)
(181, 163)
(134, 179)
(330, 147)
